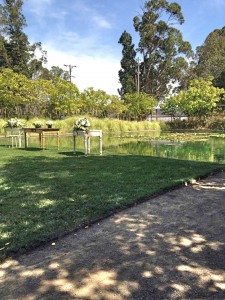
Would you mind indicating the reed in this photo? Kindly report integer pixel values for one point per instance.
(106, 124)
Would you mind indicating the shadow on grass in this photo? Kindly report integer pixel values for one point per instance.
(31, 149)
(166, 248)
(43, 196)
(70, 153)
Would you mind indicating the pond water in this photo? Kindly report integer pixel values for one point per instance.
(188, 146)
(183, 145)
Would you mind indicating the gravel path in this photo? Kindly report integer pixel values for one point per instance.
(170, 247)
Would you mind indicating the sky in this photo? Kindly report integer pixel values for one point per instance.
(85, 33)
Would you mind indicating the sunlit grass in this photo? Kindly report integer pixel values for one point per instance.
(44, 194)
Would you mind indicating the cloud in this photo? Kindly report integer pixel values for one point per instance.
(43, 10)
(75, 35)
(55, 18)
(90, 14)
(74, 43)
(90, 71)
(101, 22)
(38, 7)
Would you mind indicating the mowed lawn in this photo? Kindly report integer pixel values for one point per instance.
(45, 194)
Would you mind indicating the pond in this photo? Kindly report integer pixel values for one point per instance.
(188, 146)
(200, 146)
(181, 145)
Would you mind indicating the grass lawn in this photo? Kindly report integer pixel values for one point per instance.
(45, 194)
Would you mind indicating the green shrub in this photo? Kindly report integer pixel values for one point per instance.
(163, 125)
(216, 123)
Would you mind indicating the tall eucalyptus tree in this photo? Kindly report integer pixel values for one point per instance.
(16, 52)
(162, 46)
(211, 57)
(128, 71)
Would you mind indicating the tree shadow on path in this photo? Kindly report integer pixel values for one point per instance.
(171, 247)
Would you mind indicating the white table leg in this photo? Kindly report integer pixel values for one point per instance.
(100, 144)
(85, 144)
(89, 144)
(74, 144)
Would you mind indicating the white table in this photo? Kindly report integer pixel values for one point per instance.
(87, 139)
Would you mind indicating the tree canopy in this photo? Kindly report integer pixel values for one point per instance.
(16, 52)
(199, 100)
(211, 57)
(139, 105)
(161, 46)
(56, 98)
(128, 72)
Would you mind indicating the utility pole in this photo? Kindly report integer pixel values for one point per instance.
(138, 75)
(70, 71)
(70, 74)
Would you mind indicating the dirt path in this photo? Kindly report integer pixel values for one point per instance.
(171, 247)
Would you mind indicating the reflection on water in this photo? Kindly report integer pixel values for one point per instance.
(210, 148)
(203, 151)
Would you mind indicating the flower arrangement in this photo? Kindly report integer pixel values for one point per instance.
(82, 124)
(37, 124)
(13, 123)
(49, 123)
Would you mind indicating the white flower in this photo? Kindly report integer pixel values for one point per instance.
(37, 123)
(82, 124)
(13, 122)
(49, 122)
